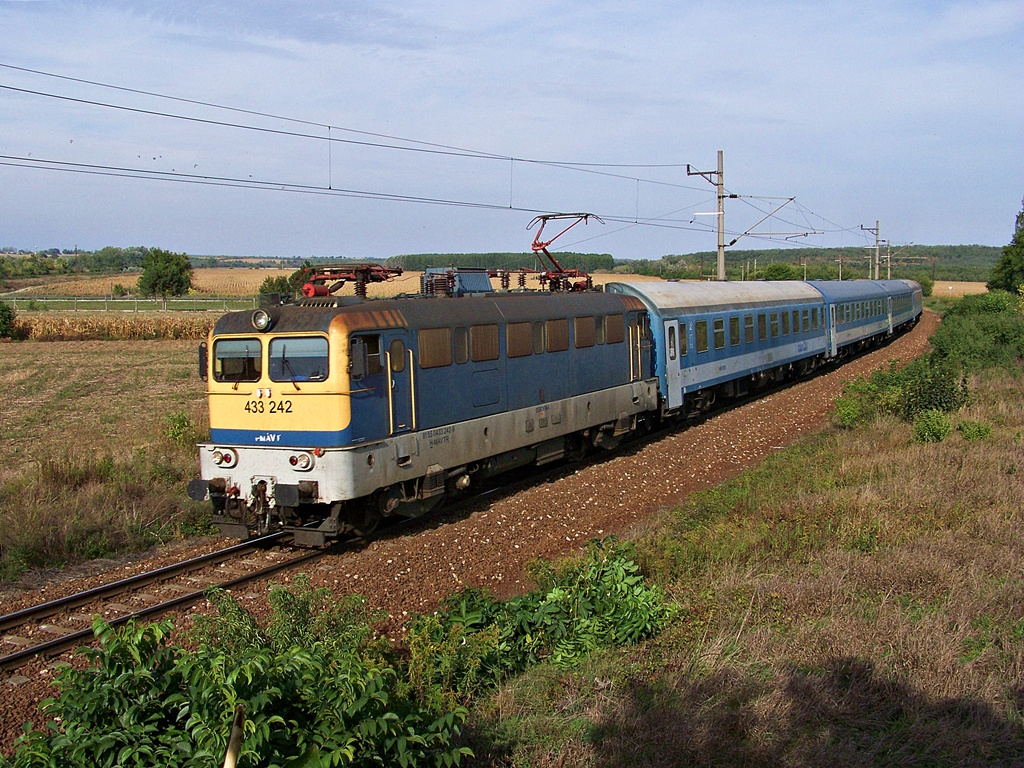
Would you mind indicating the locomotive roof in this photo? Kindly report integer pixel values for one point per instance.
(421, 312)
(669, 297)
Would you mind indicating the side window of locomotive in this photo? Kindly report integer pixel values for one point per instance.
(519, 339)
(298, 359)
(734, 330)
(762, 327)
(614, 329)
(583, 331)
(701, 331)
(435, 345)
(237, 360)
(748, 329)
(396, 355)
(599, 323)
(558, 335)
(461, 338)
(483, 343)
(719, 329)
(538, 337)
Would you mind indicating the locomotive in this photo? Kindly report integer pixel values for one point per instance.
(332, 413)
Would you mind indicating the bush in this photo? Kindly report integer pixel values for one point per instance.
(326, 701)
(932, 426)
(973, 430)
(7, 317)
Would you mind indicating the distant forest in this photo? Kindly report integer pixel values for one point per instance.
(938, 262)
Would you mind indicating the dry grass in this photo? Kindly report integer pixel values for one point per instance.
(957, 290)
(87, 465)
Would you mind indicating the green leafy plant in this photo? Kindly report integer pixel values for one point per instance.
(180, 429)
(932, 426)
(7, 317)
(973, 430)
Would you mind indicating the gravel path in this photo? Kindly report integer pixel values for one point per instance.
(490, 547)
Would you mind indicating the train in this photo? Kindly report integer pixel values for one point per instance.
(333, 413)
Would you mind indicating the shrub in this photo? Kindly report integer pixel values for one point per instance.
(7, 317)
(180, 429)
(932, 426)
(973, 430)
(142, 701)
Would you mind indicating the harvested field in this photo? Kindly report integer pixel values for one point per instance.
(956, 290)
(246, 281)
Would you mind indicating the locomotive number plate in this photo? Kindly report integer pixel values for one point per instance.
(268, 406)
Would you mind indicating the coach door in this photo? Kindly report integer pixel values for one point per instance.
(398, 363)
(888, 301)
(673, 363)
(832, 344)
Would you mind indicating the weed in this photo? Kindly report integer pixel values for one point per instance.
(932, 426)
(973, 430)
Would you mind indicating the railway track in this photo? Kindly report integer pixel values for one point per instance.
(60, 637)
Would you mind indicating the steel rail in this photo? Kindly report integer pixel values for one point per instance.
(65, 642)
(70, 602)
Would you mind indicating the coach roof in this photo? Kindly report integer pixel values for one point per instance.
(668, 298)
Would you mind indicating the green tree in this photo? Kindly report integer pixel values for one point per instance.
(780, 271)
(1008, 273)
(165, 274)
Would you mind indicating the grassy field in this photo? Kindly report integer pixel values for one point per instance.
(98, 443)
(856, 600)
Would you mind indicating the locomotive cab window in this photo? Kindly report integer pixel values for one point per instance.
(237, 360)
(298, 359)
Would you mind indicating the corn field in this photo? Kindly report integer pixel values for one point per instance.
(104, 326)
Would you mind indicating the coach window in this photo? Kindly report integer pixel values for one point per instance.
(684, 346)
(734, 330)
(298, 359)
(807, 320)
(583, 331)
(796, 321)
(483, 343)
(614, 329)
(237, 360)
(519, 339)
(700, 329)
(748, 329)
(557, 333)
(461, 338)
(719, 328)
(775, 324)
(785, 323)
(671, 342)
(762, 327)
(435, 346)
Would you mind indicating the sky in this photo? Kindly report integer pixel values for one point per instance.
(307, 128)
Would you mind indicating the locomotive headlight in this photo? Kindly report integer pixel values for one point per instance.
(225, 457)
(262, 320)
(302, 462)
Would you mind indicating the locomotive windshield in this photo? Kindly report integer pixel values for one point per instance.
(298, 359)
(237, 360)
